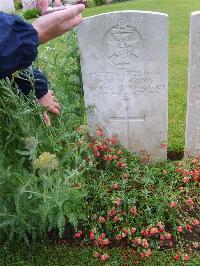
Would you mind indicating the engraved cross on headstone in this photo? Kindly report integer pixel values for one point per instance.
(127, 119)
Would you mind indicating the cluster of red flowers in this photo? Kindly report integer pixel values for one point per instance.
(178, 256)
(159, 232)
(188, 175)
(102, 257)
(104, 148)
(153, 230)
(188, 227)
(122, 231)
(101, 241)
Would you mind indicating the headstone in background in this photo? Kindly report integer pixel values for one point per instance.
(124, 62)
(7, 6)
(192, 145)
(29, 4)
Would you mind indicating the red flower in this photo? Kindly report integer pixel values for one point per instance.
(116, 219)
(180, 229)
(96, 254)
(163, 145)
(96, 154)
(145, 244)
(146, 233)
(126, 176)
(178, 170)
(92, 236)
(106, 157)
(99, 132)
(142, 255)
(118, 237)
(149, 253)
(102, 236)
(177, 257)
(134, 252)
(138, 241)
(188, 227)
(161, 227)
(185, 179)
(112, 212)
(114, 140)
(105, 241)
(91, 145)
(186, 257)
(172, 204)
(133, 230)
(168, 236)
(154, 230)
(116, 186)
(162, 237)
(190, 202)
(123, 235)
(105, 257)
(180, 164)
(101, 147)
(195, 222)
(133, 211)
(125, 230)
(185, 172)
(121, 164)
(78, 234)
(102, 219)
(118, 202)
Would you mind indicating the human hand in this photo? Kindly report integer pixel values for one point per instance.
(58, 3)
(43, 4)
(49, 101)
(57, 23)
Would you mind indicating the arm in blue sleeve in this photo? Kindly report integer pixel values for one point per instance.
(32, 79)
(18, 44)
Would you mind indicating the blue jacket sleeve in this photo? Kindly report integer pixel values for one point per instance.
(32, 79)
(18, 44)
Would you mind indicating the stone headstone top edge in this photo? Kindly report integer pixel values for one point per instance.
(195, 13)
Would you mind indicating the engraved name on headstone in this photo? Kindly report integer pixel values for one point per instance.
(192, 145)
(124, 64)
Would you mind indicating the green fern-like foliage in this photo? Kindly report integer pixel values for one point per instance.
(34, 201)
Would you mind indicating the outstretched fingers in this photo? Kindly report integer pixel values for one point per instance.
(46, 119)
(68, 25)
(70, 12)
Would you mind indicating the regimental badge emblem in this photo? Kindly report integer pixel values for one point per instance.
(123, 45)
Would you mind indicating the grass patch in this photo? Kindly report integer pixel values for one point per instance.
(38, 255)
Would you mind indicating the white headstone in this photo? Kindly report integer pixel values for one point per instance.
(124, 62)
(7, 6)
(29, 4)
(192, 146)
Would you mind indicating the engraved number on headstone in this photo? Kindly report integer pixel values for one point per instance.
(127, 119)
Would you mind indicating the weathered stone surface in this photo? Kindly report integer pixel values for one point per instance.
(124, 61)
(7, 6)
(192, 145)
